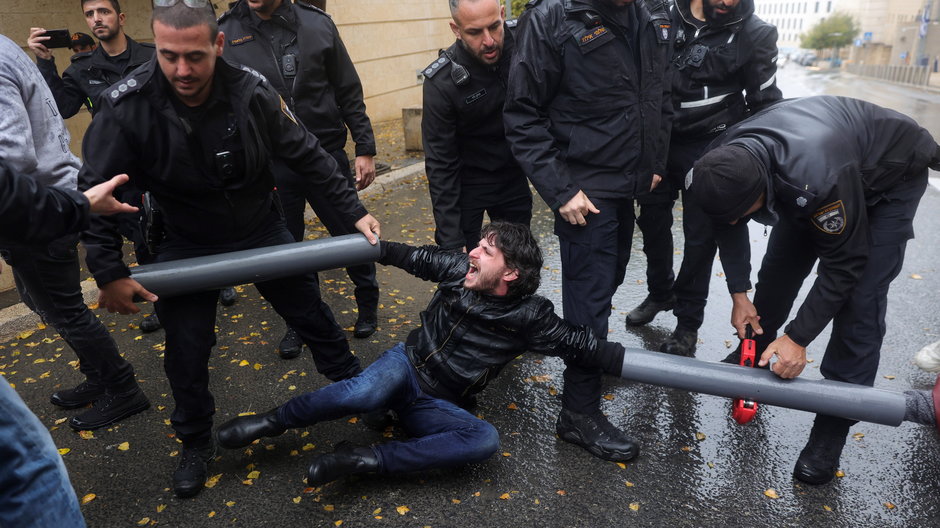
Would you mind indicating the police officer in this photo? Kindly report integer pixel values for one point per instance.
(587, 116)
(840, 180)
(469, 165)
(726, 69)
(298, 49)
(200, 133)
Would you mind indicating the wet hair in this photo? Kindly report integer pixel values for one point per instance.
(115, 5)
(181, 16)
(520, 251)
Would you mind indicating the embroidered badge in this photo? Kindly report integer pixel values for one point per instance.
(801, 201)
(286, 111)
(472, 98)
(241, 40)
(664, 31)
(830, 218)
(588, 37)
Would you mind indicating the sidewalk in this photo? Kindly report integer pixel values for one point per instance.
(16, 318)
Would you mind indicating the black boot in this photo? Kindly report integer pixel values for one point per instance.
(366, 323)
(110, 408)
(227, 296)
(190, 476)
(291, 344)
(86, 392)
(819, 460)
(150, 323)
(345, 460)
(596, 434)
(680, 343)
(648, 309)
(244, 430)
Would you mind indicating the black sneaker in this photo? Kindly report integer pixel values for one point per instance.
(680, 343)
(150, 323)
(85, 393)
(190, 476)
(596, 434)
(819, 460)
(110, 408)
(648, 309)
(227, 296)
(291, 345)
(366, 325)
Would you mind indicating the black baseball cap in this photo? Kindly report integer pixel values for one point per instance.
(81, 39)
(726, 182)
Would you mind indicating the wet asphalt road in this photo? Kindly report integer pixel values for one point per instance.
(696, 467)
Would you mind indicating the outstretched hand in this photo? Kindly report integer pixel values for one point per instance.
(102, 200)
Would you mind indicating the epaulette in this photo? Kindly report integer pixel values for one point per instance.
(255, 73)
(436, 66)
(305, 5)
(125, 87)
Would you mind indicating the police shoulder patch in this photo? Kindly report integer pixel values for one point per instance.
(254, 73)
(124, 87)
(436, 66)
(513, 22)
(241, 40)
(831, 219)
(286, 111)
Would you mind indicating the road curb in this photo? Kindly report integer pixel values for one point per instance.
(18, 318)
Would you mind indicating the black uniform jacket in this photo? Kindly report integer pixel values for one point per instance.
(467, 337)
(581, 113)
(33, 214)
(715, 64)
(827, 158)
(463, 133)
(137, 131)
(326, 93)
(90, 74)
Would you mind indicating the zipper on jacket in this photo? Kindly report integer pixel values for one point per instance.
(451, 333)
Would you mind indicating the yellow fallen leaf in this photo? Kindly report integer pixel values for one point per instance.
(353, 420)
(308, 447)
(248, 482)
(889, 377)
(913, 276)
(512, 407)
(858, 436)
(700, 436)
(328, 507)
(254, 474)
(296, 500)
(161, 507)
(143, 521)
(88, 498)
(24, 335)
(230, 503)
(338, 523)
(455, 501)
(60, 421)
(635, 506)
(402, 510)
(64, 451)
(772, 493)
(840, 473)
(86, 435)
(257, 366)
(507, 454)
(827, 508)
(504, 496)
(685, 448)
(628, 484)
(377, 511)
(562, 492)
(212, 514)
(621, 465)
(609, 397)
(890, 506)
(552, 391)
(243, 363)
(124, 446)
(213, 480)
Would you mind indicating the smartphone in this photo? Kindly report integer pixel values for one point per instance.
(60, 38)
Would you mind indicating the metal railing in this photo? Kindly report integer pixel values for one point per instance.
(901, 74)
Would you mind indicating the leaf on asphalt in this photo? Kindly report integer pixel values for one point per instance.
(504, 496)
(609, 397)
(88, 498)
(86, 435)
(858, 436)
(562, 492)
(230, 503)
(161, 507)
(308, 447)
(827, 508)
(213, 480)
(700, 436)
(890, 505)
(628, 484)
(771, 493)
(40, 360)
(143, 521)
(124, 446)
(621, 465)
(913, 276)
(243, 363)
(296, 499)
(635, 506)
(512, 407)
(506, 454)
(686, 448)
(254, 474)
(889, 377)
(552, 391)
(257, 366)
(455, 501)
(247, 413)
(25, 335)
(353, 420)
(377, 511)
(212, 514)
(402, 510)
(328, 507)
(840, 473)
(248, 482)
(711, 465)
(544, 378)
(292, 387)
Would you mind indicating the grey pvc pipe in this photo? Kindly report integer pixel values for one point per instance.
(855, 402)
(212, 272)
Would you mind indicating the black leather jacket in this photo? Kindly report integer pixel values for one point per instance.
(90, 74)
(714, 65)
(325, 93)
(34, 214)
(466, 337)
(581, 112)
(137, 131)
(827, 159)
(462, 129)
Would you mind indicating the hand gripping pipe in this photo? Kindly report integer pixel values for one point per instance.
(212, 272)
(855, 402)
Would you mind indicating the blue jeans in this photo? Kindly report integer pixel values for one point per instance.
(34, 486)
(443, 434)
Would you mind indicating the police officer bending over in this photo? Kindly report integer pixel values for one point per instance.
(470, 167)
(726, 69)
(840, 180)
(199, 133)
(587, 115)
(298, 49)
